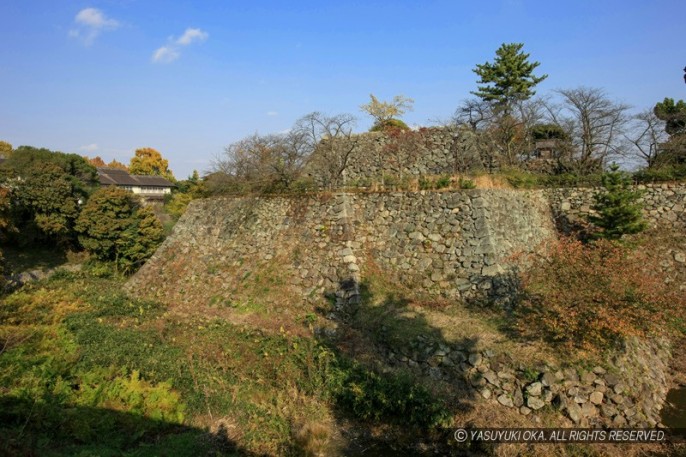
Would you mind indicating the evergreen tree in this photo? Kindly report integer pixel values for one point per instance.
(509, 78)
(47, 189)
(674, 115)
(617, 206)
(139, 241)
(114, 226)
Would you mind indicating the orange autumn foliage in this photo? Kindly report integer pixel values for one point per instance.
(593, 296)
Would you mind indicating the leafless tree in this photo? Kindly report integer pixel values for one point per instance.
(473, 113)
(595, 123)
(261, 162)
(646, 133)
(504, 132)
(331, 140)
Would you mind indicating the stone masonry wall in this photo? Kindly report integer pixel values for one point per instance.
(664, 205)
(455, 244)
(628, 392)
(429, 151)
(459, 244)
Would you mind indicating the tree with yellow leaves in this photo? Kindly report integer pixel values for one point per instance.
(116, 164)
(386, 114)
(96, 161)
(149, 161)
(5, 149)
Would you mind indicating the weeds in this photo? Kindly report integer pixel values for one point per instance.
(86, 367)
(593, 296)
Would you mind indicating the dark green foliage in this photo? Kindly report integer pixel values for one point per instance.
(466, 184)
(389, 124)
(139, 241)
(661, 174)
(509, 78)
(114, 226)
(81, 173)
(443, 182)
(619, 212)
(671, 153)
(372, 396)
(548, 132)
(674, 115)
(186, 191)
(47, 188)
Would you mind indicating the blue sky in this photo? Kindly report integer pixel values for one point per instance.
(105, 77)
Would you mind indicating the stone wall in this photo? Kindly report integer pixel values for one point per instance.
(627, 392)
(459, 244)
(664, 205)
(456, 244)
(428, 151)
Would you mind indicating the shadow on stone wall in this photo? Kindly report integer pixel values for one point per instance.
(500, 292)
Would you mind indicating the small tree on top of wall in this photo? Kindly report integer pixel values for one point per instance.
(386, 114)
(617, 206)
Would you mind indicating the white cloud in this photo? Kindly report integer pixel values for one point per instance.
(90, 23)
(89, 147)
(272, 113)
(93, 17)
(165, 54)
(172, 50)
(191, 35)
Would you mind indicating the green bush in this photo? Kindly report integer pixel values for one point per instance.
(520, 179)
(661, 174)
(391, 180)
(45, 201)
(114, 226)
(372, 396)
(99, 269)
(362, 182)
(304, 185)
(176, 204)
(390, 124)
(442, 182)
(617, 207)
(466, 184)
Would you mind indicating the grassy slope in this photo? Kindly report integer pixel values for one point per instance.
(85, 370)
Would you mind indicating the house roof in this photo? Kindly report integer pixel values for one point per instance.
(118, 177)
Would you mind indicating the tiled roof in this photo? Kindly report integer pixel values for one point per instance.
(158, 181)
(117, 177)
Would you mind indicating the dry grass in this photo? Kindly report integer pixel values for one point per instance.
(399, 308)
(313, 438)
(491, 182)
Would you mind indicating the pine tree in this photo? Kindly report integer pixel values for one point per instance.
(617, 206)
(509, 78)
